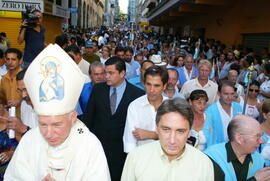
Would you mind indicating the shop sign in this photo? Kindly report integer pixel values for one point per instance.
(19, 5)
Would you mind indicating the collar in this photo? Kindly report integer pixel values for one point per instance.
(7, 75)
(145, 102)
(198, 83)
(231, 156)
(122, 85)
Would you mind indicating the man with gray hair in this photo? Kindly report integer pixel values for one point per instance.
(188, 71)
(232, 76)
(171, 154)
(202, 82)
(97, 75)
(238, 158)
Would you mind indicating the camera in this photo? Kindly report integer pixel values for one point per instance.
(30, 17)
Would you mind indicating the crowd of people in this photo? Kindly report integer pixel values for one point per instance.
(114, 104)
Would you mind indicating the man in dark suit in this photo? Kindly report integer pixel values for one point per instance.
(106, 113)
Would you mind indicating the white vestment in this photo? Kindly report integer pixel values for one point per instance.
(28, 115)
(79, 158)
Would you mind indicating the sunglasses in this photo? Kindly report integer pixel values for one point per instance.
(252, 90)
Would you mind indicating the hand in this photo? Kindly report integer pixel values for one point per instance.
(16, 124)
(5, 156)
(48, 178)
(142, 134)
(14, 103)
(24, 23)
(263, 174)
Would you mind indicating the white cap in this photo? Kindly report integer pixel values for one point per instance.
(156, 59)
(54, 82)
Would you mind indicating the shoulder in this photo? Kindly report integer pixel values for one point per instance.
(84, 136)
(137, 102)
(212, 106)
(237, 105)
(189, 82)
(180, 69)
(134, 90)
(215, 147)
(32, 137)
(144, 151)
(196, 154)
(101, 85)
(212, 83)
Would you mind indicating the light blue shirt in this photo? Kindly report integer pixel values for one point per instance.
(119, 92)
(137, 82)
(132, 70)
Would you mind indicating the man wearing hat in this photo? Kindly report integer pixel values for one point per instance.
(61, 148)
(89, 54)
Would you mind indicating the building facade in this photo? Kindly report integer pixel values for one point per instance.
(55, 15)
(90, 13)
(238, 22)
(109, 13)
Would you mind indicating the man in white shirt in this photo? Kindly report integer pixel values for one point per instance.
(76, 53)
(170, 158)
(202, 82)
(61, 148)
(140, 124)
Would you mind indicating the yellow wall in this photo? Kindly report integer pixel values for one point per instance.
(11, 22)
(244, 16)
(53, 27)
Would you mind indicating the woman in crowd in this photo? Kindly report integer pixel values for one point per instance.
(264, 149)
(253, 104)
(179, 61)
(106, 54)
(198, 99)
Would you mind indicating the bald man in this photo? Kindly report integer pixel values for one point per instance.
(238, 160)
(232, 76)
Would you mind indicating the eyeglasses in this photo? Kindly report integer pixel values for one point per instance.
(257, 136)
(254, 90)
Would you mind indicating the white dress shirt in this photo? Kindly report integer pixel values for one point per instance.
(140, 114)
(211, 88)
(226, 118)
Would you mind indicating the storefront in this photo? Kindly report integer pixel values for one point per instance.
(11, 18)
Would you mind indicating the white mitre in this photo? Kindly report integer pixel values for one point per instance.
(54, 82)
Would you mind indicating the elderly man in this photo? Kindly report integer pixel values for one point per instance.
(237, 159)
(202, 82)
(50, 152)
(140, 125)
(97, 75)
(232, 76)
(170, 158)
(187, 72)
